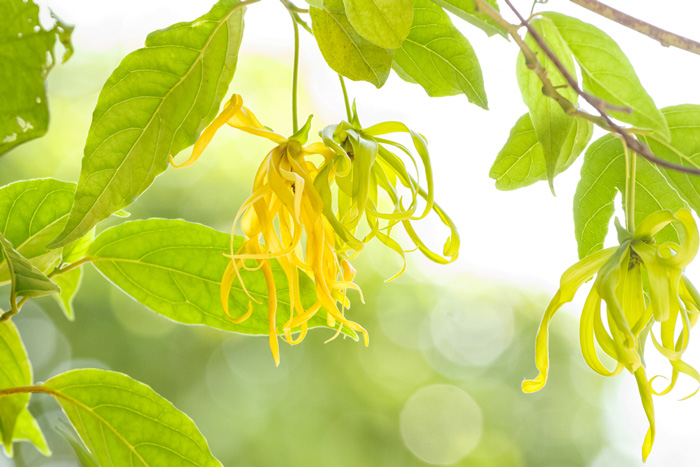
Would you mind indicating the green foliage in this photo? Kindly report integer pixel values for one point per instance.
(683, 148)
(521, 161)
(385, 23)
(124, 422)
(69, 282)
(27, 429)
(16, 371)
(466, 10)
(32, 212)
(344, 49)
(28, 56)
(153, 106)
(27, 280)
(175, 268)
(608, 74)
(438, 57)
(552, 125)
(602, 176)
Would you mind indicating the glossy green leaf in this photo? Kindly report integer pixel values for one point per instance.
(175, 268)
(69, 282)
(438, 57)
(521, 161)
(602, 177)
(551, 124)
(466, 10)
(27, 57)
(32, 213)
(27, 280)
(125, 423)
(16, 371)
(384, 23)
(344, 49)
(27, 429)
(683, 148)
(608, 74)
(153, 105)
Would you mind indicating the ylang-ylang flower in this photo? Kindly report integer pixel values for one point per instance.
(368, 173)
(641, 283)
(283, 220)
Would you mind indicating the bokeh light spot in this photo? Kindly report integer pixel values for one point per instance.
(440, 424)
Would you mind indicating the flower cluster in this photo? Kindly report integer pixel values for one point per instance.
(291, 216)
(641, 283)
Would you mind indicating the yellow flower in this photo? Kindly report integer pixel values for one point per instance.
(621, 274)
(283, 220)
(363, 167)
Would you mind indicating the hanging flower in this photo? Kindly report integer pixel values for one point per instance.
(623, 274)
(363, 167)
(283, 220)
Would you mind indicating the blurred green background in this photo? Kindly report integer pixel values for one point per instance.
(438, 385)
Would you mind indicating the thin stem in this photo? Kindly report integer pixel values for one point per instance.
(666, 38)
(630, 185)
(345, 97)
(27, 390)
(603, 120)
(77, 264)
(295, 76)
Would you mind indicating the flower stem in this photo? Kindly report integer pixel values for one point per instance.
(345, 97)
(630, 183)
(295, 76)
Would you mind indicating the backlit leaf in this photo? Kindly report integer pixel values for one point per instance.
(438, 57)
(521, 162)
(344, 49)
(466, 10)
(27, 280)
(550, 122)
(175, 268)
(153, 105)
(27, 54)
(124, 422)
(28, 430)
(32, 213)
(385, 23)
(608, 74)
(69, 282)
(16, 371)
(602, 177)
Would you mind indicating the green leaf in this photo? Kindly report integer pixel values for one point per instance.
(81, 452)
(27, 429)
(683, 148)
(16, 371)
(551, 123)
(608, 74)
(175, 268)
(124, 422)
(521, 161)
(602, 176)
(385, 23)
(69, 282)
(27, 57)
(32, 213)
(153, 105)
(466, 10)
(438, 57)
(344, 49)
(27, 280)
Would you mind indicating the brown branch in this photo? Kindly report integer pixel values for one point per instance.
(604, 120)
(666, 38)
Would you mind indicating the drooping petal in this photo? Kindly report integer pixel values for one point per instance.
(570, 282)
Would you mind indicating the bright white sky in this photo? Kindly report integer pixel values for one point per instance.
(525, 237)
